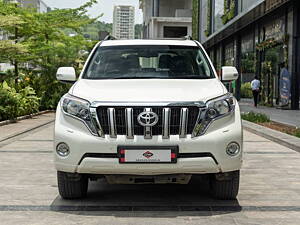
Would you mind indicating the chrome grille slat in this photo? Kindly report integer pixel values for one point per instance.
(129, 123)
(183, 122)
(166, 123)
(112, 122)
(148, 130)
(173, 120)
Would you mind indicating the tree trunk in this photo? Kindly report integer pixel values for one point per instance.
(16, 71)
(16, 62)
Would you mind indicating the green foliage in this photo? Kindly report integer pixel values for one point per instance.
(15, 103)
(195, 21)
(255, 117)
(248, 62)
(246, 91)
(29, 102)
(297, 133)
(209, 18)
(11, 51)
(91, 31)
(9, 21)
(9, 103)
(267, 81)
(229, 12)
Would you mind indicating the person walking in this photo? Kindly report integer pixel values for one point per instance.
(255, 86)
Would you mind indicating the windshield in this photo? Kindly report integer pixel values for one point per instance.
(142, 62)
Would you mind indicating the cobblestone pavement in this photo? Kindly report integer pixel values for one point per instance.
(269, 192)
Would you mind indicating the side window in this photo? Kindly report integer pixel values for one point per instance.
(204, 68)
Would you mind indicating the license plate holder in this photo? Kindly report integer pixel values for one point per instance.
(148, 154)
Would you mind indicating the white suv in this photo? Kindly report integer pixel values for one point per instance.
(148, 111)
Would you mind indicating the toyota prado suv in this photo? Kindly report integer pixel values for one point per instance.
(148, 111)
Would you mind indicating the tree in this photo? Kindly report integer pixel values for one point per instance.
(38, 40)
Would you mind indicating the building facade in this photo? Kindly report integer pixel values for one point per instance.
(123, 22)
(4, 66)
(37, 4)
(166, 18)
(259, 37)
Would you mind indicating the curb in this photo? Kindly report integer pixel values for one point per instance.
(29, 129)
(273, 135)
(6, 122)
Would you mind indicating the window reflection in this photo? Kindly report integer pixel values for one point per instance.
(218, 12)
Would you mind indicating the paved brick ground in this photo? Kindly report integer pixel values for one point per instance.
(269, 193)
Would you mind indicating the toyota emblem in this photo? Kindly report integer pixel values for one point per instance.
(147, 119)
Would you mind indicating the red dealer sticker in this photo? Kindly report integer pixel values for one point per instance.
(147, 154)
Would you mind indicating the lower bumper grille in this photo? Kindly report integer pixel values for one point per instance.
(124, 120)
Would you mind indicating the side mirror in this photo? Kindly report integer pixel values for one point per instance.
(66, 74)
(229, 73)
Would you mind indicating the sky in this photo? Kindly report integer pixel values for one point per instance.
(103, 6)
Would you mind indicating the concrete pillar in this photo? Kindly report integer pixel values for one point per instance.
(295, 81)
(156, 8)
(238, 66)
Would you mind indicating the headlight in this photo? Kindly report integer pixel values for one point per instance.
(220, 107)
(79, 109)
(215, 109)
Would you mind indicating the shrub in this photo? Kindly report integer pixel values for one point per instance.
(246, 91)
(297, 133)
(9, 103)
(17, 103)
(255, 117)
(29, 101)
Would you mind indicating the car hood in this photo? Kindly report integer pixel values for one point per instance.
(148, 90)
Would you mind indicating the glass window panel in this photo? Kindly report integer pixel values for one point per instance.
(203, 19)
(218, 12)
(246, 4)
(248, 55)
(229, 54)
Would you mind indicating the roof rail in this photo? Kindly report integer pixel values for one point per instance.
(109, 37)
(188, 37)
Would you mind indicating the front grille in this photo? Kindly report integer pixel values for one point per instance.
(115, 117)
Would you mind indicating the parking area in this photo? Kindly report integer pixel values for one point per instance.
(269, 192)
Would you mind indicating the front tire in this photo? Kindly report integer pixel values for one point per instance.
(225, 186)
(72, 185)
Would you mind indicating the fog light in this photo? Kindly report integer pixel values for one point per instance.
(62, 149)
(233, 149)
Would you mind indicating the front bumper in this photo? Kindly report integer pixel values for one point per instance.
(86, 150)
